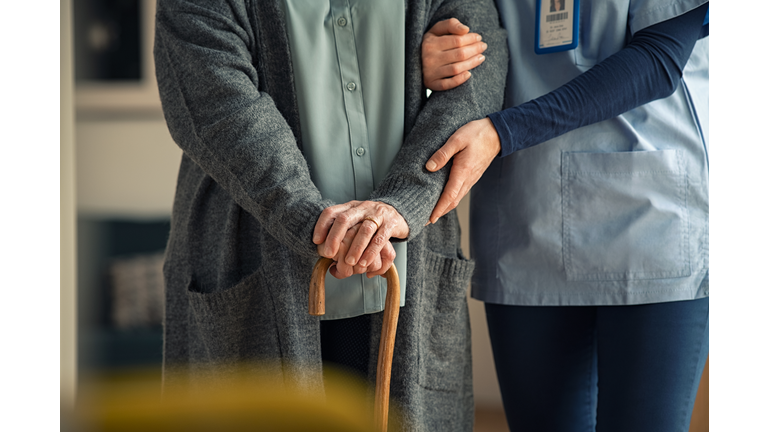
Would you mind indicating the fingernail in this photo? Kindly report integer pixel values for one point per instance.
(363, 263)
(428, 222)
(482, 58)
(431, 165)
(485, 46)
(479, 38)
(350, 261)
(462, 26)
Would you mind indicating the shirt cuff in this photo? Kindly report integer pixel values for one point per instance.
(505, 133)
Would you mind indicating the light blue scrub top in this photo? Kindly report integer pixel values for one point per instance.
(613, 213)
(349, 67)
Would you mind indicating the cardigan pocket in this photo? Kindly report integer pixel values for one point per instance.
(625, 216)
(444, 342)
(236, 324)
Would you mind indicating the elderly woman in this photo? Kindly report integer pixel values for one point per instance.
(284, 109)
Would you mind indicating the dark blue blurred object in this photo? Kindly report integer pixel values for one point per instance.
(107, 37)
(102, 345)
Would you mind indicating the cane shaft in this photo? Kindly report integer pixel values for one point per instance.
(387, 349)
(388, 331)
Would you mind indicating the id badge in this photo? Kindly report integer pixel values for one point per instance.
(557, 25)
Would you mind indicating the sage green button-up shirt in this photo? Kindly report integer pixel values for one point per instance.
(349, 68)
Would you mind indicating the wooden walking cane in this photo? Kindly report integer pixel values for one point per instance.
(388, 329)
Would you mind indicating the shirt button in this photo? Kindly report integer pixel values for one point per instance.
(341, 22)
(351, 86)
(360, 151)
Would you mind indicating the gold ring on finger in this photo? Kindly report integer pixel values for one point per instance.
(372, 220)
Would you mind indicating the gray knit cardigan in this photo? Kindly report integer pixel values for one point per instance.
(240, 252)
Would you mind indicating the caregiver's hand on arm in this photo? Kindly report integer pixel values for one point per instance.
(357, 233)
(448, 52)
(473, 147)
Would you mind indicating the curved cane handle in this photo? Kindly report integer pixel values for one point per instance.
(317, 287)
(388, 331)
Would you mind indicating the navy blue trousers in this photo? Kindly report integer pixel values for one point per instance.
(599, 368)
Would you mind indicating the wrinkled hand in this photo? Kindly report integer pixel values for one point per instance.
(356, 235)
(380, 264)
(448, 52)
(473, 147)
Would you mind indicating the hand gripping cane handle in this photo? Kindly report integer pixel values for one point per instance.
(388, 330)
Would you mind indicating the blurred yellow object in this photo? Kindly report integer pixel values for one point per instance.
(232, 402)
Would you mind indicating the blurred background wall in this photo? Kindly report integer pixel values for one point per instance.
(126, 167)
(67, 246)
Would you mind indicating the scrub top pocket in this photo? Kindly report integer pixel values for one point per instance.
(624, 216)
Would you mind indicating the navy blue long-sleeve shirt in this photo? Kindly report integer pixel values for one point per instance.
(648, 68)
